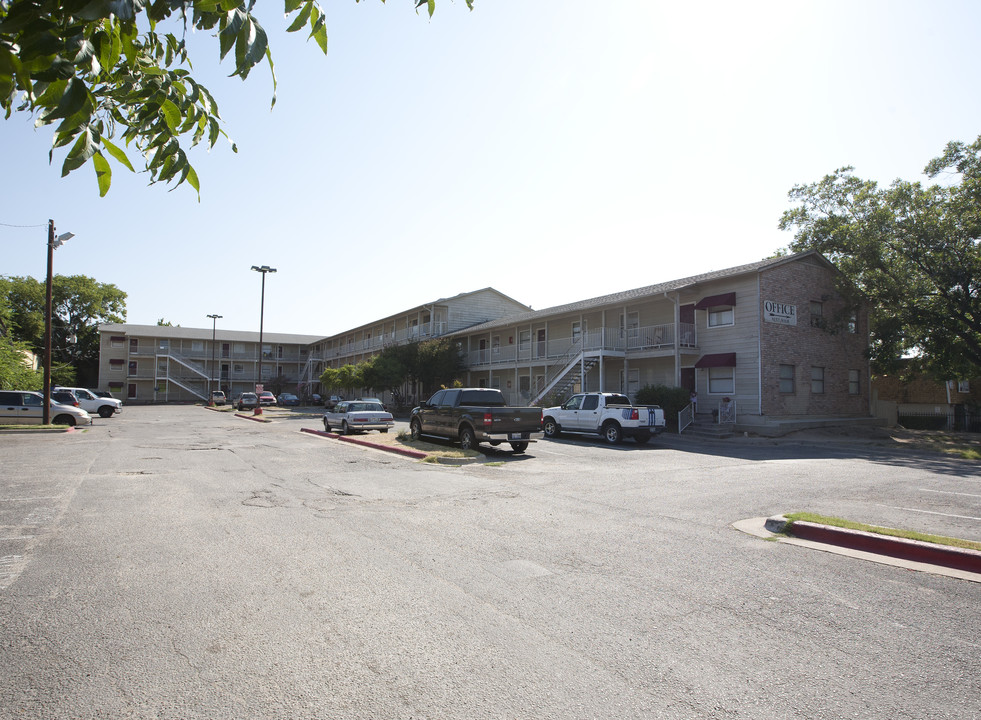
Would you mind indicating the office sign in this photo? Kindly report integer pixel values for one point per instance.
(780, 313)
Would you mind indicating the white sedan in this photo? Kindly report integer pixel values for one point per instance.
(357, 416)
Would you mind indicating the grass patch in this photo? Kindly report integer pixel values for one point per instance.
(959, 444)
(891, 532)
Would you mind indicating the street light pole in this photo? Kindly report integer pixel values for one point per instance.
(214, 326)
(262, 311)
(53, 243)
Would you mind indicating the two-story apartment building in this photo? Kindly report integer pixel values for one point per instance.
(774, 337)
(773, 340)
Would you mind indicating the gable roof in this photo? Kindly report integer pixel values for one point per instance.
(628, 296)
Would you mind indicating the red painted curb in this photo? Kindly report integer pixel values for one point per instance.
(387, 448)
(915, 550)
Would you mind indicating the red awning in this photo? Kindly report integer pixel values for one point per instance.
(725, 299)
(717, 360)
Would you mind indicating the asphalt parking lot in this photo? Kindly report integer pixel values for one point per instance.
(178, 562)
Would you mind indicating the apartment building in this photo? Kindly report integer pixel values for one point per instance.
(769, 340)
(161, 364)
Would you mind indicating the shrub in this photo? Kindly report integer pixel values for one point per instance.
(671, 399)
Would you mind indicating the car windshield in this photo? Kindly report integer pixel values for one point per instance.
(365, 407)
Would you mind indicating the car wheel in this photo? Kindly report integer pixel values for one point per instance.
(519, 447)
(326, 425)
(415, 429)
(550, 428)
(345, 430)
(642, 438)
(468, 441)
(612, 433)
(240, 408)
(105, 411)
(64, 420)
(384, 430)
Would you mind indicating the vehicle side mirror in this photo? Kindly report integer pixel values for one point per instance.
(423, 403)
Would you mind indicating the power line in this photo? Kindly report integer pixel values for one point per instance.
(3, 224)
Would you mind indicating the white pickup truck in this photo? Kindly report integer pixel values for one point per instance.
(607, 414)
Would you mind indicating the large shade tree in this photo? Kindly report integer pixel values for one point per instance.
(912, 250)
(79, 304)
(114, 74)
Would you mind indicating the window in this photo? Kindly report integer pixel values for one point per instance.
(238, 368)
(116, 341)
(197, 346)
(722, 380)
(719, 317)
(963, 386)
(116, 365)
(132, 368)
(787, 379)
(31, 400)
(853, 384)
(817, 380)
(590, 402)
(524, 339)
(817, 314)
(163, 345)
(853, 323)
(134, 345)
(630, 323)
(115, 386)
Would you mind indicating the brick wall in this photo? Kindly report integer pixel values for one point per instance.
(829, 345)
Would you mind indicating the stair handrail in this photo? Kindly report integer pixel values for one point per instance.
(727, 411)
(686, 416)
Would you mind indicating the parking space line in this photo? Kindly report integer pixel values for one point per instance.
(950, 492)
(931, 512)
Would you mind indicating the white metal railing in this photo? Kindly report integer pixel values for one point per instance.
(686, 417)
(727, 411)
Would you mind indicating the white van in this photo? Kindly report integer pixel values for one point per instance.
(25, 407)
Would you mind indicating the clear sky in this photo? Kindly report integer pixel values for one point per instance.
(552, 149)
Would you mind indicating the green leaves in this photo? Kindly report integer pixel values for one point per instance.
(87, 64)
(912, 250)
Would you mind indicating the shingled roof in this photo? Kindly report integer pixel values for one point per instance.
(628, 296)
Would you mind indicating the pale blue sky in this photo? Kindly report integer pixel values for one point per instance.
(553, 149)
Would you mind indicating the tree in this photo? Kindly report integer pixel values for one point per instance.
(438, 362)
(79, 304)
(90, 67)
(912, 250)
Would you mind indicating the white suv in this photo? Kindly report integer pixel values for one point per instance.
(94, 404)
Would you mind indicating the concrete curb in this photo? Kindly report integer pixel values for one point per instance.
(253, 418)
(901, 548)
(415, 454)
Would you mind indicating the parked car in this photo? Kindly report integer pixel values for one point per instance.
(332, 400)
(246, 400)
(267, 398)
(65, 397)
(358, 416)
(288, 399)
(315, 399)
(218, 397)
(26, 407)
(90, 403)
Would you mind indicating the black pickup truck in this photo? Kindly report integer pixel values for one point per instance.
(476, 415)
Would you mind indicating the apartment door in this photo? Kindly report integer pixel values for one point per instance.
(225, 350)
(541, 343)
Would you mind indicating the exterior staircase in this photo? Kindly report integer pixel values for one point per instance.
(565, 376)
(705, 426)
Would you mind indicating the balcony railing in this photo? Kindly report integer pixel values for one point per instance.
(654, 337)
